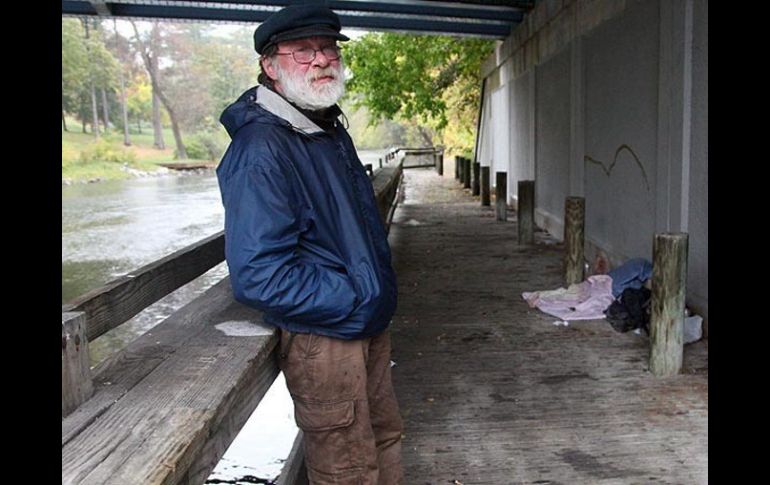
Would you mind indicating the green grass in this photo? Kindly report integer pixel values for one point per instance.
(84, 158)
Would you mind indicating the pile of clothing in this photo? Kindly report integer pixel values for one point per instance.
(630, 308)
(619, 296)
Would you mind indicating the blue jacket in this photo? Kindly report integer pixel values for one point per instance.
(304, 241)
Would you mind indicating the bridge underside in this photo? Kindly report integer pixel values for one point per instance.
(493, 393)
(485, 19)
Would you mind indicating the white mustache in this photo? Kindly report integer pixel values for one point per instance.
(326, 72)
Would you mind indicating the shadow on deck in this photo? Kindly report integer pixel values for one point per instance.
(493, 393)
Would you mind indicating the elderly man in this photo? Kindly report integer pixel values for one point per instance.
(305, 245)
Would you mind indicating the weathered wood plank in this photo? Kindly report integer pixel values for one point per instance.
(244, 402)
(294, 471)
(386, 183)
(493, 393)
(190, 166)
(119, 373)
(669, 279)
(155, 432)
(119, 300)
(76, 384)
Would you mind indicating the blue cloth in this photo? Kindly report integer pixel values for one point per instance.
(304, 242)
(631, 274)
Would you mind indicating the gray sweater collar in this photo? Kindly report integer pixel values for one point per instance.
(277, 105)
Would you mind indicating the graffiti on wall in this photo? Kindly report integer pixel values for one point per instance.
(608, 169)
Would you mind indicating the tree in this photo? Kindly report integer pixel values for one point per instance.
(87, 67)
(187, 79)
(118, 47)
(231, 65)
(74, 62)
(139, 100)
(150, 54)
(419, 78)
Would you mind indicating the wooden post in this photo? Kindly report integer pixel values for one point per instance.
(526, 211)
(294, 471)
(574, 232)
(457, 167)
(369, 169)
(485, 186)
(467, 174)
(440, 163)
(476, 185)
(76, 384)
(669, 278)
(380, 162)
(501, 193)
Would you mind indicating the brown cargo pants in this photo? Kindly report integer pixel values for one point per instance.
(345, 405)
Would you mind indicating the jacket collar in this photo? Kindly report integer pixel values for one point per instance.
(274, 103)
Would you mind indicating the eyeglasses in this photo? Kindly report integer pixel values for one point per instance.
(305, 55)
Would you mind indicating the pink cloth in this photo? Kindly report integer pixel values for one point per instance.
(581, 301)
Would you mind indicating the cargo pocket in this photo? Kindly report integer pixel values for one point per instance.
(323, 416)
(327, 431)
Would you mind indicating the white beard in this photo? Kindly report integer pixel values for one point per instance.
(299, 89)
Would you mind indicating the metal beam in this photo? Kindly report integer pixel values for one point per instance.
(368, 21)
(525, 4)
(414, 7)
(496, 31)
(101, 8)
(77, 8)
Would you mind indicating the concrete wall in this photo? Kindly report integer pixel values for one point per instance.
(484, 142)
(553, 133)
(621, 100)
(698, 227)
(521, 165)
(501, 127)
(608, 99)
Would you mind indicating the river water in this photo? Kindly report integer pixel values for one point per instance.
(111, 228)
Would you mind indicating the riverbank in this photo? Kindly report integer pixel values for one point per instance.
(86, 159)
(130, 172)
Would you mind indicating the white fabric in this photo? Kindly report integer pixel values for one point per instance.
(581, 301)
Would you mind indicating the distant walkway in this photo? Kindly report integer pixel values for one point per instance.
(493, 393)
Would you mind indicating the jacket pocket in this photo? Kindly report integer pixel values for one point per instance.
(367, 283)
(311, 416)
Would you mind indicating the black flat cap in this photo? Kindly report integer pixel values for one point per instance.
(297, 22)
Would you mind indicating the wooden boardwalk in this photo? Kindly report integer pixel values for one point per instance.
(493, 393)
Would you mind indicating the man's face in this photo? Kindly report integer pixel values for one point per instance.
(315, 85)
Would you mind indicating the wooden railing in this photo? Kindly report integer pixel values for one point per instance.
(164, 409)
(417, 157)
